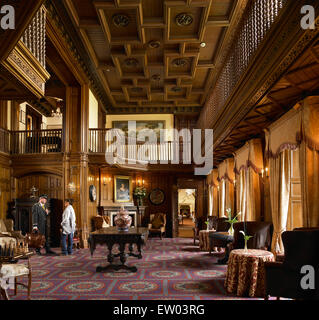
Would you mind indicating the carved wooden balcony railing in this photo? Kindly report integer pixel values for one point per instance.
(34, 36)
(4, 140)
(255, 25)
(36, 141)
(168, 151)
(27, 60)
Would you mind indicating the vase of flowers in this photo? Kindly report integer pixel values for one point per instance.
(231, 221)
(246, 238)
(139, 193)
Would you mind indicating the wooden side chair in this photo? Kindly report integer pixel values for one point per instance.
(14, 271)
(157, 224)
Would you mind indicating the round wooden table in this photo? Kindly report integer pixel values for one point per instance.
(246, 272)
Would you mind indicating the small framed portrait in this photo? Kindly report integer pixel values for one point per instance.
(123, 189)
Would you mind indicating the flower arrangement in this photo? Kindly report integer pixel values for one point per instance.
(139, 193)
(246, 238)
(231, 221)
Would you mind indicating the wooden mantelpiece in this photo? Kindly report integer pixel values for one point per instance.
(107, 210)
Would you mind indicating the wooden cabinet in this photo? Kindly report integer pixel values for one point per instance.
(21, 213)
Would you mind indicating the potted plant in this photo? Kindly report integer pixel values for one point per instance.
(246, 238)
(231, 221)
(139, 193)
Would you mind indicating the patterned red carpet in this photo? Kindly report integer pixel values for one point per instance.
(170, 269)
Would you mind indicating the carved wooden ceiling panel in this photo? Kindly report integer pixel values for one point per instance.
(153, 53)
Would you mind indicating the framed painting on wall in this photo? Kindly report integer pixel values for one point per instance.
(123, 189)
(140, 125)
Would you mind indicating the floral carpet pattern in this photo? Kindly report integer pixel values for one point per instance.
(172, 269)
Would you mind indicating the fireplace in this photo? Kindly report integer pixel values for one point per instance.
(137, 213)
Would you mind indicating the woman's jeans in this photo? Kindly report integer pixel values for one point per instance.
(67, 249)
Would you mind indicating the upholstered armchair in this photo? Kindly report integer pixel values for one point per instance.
(219, 225)
(157, 224)
(261, 232)
(199, 225)
(283, 279)
(101, 222)
(6, 228)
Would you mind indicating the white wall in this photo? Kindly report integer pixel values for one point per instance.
(93, 111)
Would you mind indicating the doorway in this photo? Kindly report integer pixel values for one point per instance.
(186, 212)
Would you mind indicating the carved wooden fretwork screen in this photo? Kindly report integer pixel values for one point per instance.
(258, 20)
(34, 36)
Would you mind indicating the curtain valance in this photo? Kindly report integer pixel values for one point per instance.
(212, 178)
(226, 170)
(284, 133)
(250, 155)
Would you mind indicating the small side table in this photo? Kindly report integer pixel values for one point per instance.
(204, 239)
(246, 272)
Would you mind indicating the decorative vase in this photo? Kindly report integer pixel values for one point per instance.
(123, 220)
(231, 230)
(246, 249)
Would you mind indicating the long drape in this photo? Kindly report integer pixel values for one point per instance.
(248, 166)
(309, 161)
(280, 174)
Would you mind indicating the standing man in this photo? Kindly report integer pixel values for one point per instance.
(68, 227)
(39, 221)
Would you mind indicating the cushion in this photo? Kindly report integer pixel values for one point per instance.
(157, 222)
(13, 270)
(3, 227)
(105, 225)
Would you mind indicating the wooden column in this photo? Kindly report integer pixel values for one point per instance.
(75, 161)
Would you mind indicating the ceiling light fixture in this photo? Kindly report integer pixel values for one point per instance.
(184, 19)
(57, 113)
(153, 44)
(203, 44)
(120, 20)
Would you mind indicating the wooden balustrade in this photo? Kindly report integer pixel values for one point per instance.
(34, 36)
(169, 151)
(36, 141)
(255, 25)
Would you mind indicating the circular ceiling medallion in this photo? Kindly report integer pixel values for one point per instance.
(156, 77)
(184, 19)
(137, 89)
(120, 20)
(176, 89)
(131, 62)
(179, 62)
(154, 44)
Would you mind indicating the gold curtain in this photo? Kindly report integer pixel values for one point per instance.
(309, 161)
(249, 163)
(226, 177)
(280, 174)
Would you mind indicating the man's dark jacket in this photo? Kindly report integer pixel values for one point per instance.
(39, 218)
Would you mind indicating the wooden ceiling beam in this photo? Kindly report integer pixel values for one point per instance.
(217, 21)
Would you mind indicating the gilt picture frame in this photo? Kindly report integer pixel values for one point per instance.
(123, 191)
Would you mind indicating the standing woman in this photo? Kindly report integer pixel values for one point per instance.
(68, 227)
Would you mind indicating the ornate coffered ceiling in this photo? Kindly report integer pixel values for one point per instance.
(154, 56)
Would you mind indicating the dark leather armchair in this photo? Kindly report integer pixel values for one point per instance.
(283, 279)
(261, 232)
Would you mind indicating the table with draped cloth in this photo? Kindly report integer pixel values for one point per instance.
(246, 273)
